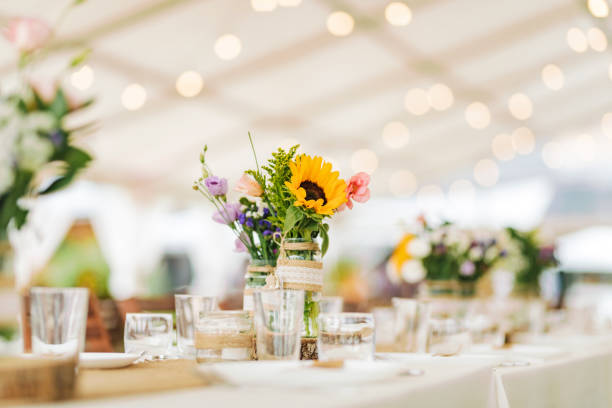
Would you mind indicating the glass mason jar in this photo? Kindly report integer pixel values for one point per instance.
(226, 335)
(466, 288)
(299, 249)
(255, 278)
(438, 288)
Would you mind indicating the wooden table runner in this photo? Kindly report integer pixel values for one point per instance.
(139, 378)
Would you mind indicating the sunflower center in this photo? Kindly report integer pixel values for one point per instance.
(313, 191)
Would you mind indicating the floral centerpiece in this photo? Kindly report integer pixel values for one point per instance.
(37, 154)
(528, 258)
(483, 253)
(432, 254)
(297, 194)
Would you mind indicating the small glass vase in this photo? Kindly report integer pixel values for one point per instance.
(309, 252)
(438, 288)
(255, 278)
(466, 289)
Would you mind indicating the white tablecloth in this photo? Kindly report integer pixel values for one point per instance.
(581, 376)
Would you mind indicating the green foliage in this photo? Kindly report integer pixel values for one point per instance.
(533, 259)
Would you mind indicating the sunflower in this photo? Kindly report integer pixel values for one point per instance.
(315, 186)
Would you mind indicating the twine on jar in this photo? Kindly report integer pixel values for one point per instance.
(298, 274)
(223, 341)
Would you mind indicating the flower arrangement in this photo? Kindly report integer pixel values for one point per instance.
(37, 154)
(483, 253)
(529, 258)
(284, 208)
(444, 255)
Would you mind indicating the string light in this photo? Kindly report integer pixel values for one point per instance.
(228, 47)
(486, 173)
(576, 40)
(552, 76)
(364, 160)
(395, 135)
(83, 78)
(502, 147)
(440, 97)
(552, 155)
(398, 14)
(523, 140)
(477, 115)
(598, 8)
(189, 84)
(340, 23)
(402, 183)
(520, 106)
(416, 101)
(133, 97)
(597, 39)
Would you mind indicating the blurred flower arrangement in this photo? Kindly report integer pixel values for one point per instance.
(443, 255)
(285, 207)
(37, 154)
(528, 258)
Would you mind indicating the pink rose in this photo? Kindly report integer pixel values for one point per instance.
(247, 185)
(357, 189)
(27, 34)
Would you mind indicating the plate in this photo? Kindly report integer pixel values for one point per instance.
(106, 360)
(301, 374)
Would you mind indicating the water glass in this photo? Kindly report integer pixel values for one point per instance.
(225, 335)
(448, 329)
(188, 310)
(149, 334)
(279, 319)
(331, 304)
(346, 336)
(411, 324)
(384, 320)
(58, 319)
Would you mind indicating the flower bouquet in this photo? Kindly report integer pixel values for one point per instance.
(528, 258)
(37, 154)
(283, 215)
(482, 254)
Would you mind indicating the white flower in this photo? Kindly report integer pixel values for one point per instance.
(418, 247)
(33, 151)
(413, 271)
(392, 273)
(491, 253)
(39, 121)
(475, 253)
(7, 176)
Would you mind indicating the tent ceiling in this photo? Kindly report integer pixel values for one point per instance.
(295, 81)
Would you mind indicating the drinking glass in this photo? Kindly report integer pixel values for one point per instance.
(58, 319)
(384, 321)
(346, 336)
(149, 334)
(448, 330)
(411, 324)
(225, 335)
(331, 304)
(188, 309)
(278, 320)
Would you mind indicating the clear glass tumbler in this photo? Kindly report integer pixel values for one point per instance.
(411, 326)
(278, 320)
(149, 334)
(58, 318)
(331, 304)
(188, 309)
(346, 336)
(225, 335)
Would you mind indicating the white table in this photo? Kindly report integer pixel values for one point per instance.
(580, 377)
